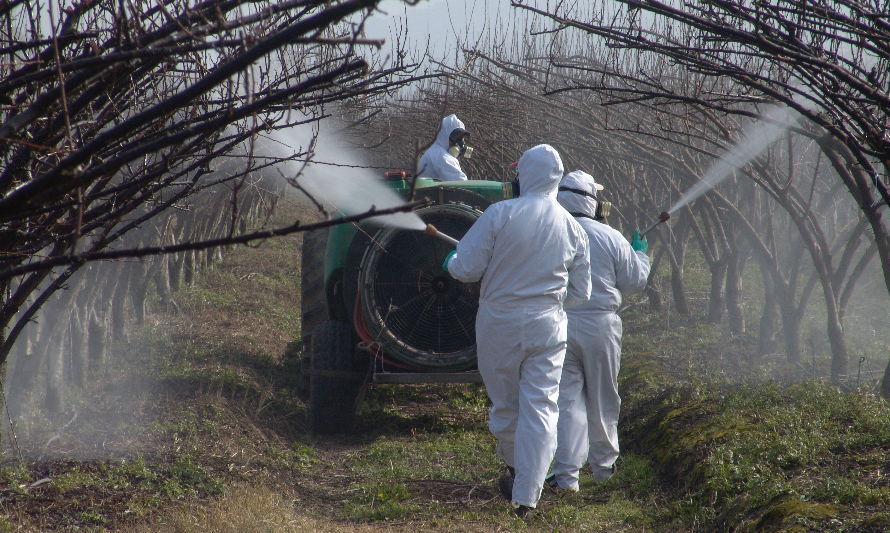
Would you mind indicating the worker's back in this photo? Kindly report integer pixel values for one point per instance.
(535, 247)
(615, 268)
(529, 250)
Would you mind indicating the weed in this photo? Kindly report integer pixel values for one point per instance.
(298, 457)
(92, 518)
(190, 475)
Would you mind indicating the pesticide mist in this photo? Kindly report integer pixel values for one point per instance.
(336, 177)
(757, 138)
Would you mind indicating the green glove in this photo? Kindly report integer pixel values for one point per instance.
(447, 260)
(639, 243)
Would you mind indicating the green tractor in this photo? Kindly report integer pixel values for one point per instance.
(378, 308)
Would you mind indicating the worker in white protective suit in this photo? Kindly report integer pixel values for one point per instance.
(532, 258)
(440, 160)
(588, 394)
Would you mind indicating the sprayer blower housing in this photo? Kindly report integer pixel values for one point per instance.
(378, 308)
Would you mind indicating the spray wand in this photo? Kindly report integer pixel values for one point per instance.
(433, 232)
(663, 217)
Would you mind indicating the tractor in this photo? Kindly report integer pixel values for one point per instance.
(377, 308)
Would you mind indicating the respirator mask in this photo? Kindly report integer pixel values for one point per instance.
(602, 209)
(511, 188)
(457, 144)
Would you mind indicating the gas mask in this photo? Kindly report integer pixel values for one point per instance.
(511, 188)
(602, 210)
(457, 144)
(461, 150)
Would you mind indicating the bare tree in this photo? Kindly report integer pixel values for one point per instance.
(829, 61)
(149, 120)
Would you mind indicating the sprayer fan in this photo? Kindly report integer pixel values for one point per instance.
(420, 315)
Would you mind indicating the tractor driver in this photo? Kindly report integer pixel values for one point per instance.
(532, 258)
(440, 160)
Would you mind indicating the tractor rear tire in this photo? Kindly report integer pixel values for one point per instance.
(337, 377)
(313, 301)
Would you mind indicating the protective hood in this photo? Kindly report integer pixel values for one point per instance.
(540, 169)
(449, 124)
(582, 198)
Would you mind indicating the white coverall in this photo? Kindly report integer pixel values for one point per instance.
(436, 162)
(532, 258)
(588, 395)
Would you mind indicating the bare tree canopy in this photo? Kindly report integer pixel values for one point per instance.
(830, 61)
(112, 113)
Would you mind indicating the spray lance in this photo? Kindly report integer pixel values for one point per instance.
(663, 217)
(433, 232)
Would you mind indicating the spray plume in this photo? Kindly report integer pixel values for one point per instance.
(757, 139)
(335, 177)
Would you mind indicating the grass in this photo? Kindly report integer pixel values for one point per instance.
(754, 455)
(206, 433)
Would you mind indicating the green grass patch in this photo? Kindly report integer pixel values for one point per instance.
(752, 450)
(461, 457)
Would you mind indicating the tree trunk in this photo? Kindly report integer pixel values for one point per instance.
(840, 357)
(885, 383)
(656, 305)
(769, 317)
(678, 290)
(55, 372)
(735, 269)
(176, 268)
(139, 288)
(791, 319)
(79, 349)
(715, 301)
(163, 277)
(121, 282)
(97, 332)
(188, 268)
(24, 371)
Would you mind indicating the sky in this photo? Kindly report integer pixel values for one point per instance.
(438, 22)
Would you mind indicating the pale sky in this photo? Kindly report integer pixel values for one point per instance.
(441, 22)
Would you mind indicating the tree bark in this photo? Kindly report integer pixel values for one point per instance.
(885, 383)
(122, 288)
(653, 294)
(734, 271)
(55, 372)
(678, 289)
(791, 319)
(98, 333)
(769, 317)
(715, 301)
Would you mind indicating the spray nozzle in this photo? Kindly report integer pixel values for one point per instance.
(433, 232)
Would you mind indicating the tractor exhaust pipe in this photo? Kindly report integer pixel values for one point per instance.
(661, 218)
(433, 232)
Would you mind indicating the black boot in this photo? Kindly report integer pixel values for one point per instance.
(505, 483)
(522, 511)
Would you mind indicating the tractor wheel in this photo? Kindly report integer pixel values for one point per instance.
(337, 377)
(313, 301)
